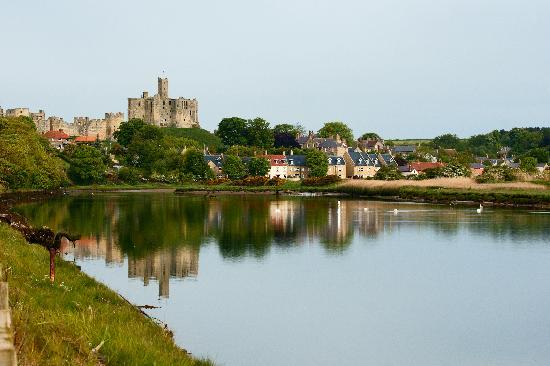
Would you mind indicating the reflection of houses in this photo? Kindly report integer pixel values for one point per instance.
(94, 248)
(163, 265)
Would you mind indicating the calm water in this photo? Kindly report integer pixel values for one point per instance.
(316, 281)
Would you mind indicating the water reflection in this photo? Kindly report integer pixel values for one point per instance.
(161, 234)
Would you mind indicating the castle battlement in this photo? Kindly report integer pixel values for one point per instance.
(163, 111)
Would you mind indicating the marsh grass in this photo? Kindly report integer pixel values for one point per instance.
(61, 323)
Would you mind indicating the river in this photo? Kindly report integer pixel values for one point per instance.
(249, 280)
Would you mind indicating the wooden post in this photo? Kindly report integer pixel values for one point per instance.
(7, 349)
(52, 264)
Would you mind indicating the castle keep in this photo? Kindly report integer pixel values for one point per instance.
(163, 111)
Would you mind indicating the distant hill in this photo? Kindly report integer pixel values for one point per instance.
(26, 159)
(203, 137)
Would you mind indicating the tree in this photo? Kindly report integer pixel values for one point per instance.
(331, 129)
(528, 164)
(146, 149)
(258, 167)
(317, 162)
(370, 136)
(234, 167)
(287, 128)
(195, 166)
(285, 139)
(540, 153)
(388, 173)
(232, 131)
(446, 141)
(87, 165)
(259, 133)
(127, 130)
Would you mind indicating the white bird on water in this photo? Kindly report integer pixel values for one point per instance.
(480, 209)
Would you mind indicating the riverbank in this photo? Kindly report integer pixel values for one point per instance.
(76, 320)
(452, 191)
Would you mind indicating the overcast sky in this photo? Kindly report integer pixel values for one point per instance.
(402, 68)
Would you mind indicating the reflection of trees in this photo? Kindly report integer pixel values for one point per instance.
(139, 224)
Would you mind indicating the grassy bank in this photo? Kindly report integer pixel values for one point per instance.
(500, 195)
(61, 324)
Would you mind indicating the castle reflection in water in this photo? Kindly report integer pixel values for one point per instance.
(159, 236)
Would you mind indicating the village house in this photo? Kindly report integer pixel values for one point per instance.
(331, 145)
(387, 159)
(477, 168)
(359, 164)
(296, 167)
(372, 145)
(542, 167)
(85, 139)
(215, 162)
(407, 170)
(421, 166)
(278, 166)
(404, 149)
(337, 166)
(58, 139)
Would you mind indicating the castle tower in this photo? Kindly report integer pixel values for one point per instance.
(163, 87)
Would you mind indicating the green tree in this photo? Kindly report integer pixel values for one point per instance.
(146, 149)
(234, 167)
(127, 130)
(317, 162)
(447, 141)
(528, 164)
(87, 165)
(259, 133)
(539, 153)
(232, 131)
(388, 173)
(195, 166)
(331, 129)
(287, 128)
(370, 136)
(258, 167)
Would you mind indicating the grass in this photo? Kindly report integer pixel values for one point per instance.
(434, 190)
(60, 324)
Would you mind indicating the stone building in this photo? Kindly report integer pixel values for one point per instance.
(164, 111)
(102, 129)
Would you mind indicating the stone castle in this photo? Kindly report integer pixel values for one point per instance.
(100, 128)
(159, 110)
(164, 111)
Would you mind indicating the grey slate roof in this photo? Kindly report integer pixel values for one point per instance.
(296, 160)
(336, 160)
(477, 166)
(359, 158)
(216, 159)
(388, 159)
(404, 149)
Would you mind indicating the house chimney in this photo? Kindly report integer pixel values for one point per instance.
(291, 152)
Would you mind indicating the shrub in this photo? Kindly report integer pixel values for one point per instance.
(321, 181)
(252, 181)
(388, 173)
(128, 175)
(217, 181)
(275, 181)
(496, 174)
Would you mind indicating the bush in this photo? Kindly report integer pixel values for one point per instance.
(321, 181)
(388, 173)
(128, 175)
(497, 174)
(252, 181)
(276, 181)
(216, 182)
(87, 165)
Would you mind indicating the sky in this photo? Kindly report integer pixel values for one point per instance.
(401, 68)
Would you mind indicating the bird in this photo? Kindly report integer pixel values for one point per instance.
(395, 211)
(480, 209)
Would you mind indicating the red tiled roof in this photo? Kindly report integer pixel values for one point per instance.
(59, 135)
(276, 160)
(421, 166)
(85, 139)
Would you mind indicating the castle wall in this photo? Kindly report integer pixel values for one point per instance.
(163, 111)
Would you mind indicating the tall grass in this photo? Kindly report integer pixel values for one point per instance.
(61, 324)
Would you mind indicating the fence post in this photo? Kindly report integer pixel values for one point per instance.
(7, 349)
